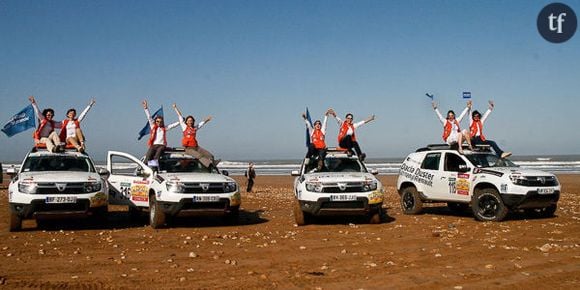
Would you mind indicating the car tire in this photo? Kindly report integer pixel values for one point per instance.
(233, 216)
(411, 202)
(15, 222)
(376, 217)
(299, 215)
(542, 212)
(457, 207)
(487, 205)
(157, 217)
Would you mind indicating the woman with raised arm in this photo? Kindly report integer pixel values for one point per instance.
(317, 145)
(45, 132)
(346, 134)
(476, 130)
(452, 133)
(158, 137)
(189, 140)
(70, 131)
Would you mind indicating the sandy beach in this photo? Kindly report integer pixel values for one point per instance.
(437, 249)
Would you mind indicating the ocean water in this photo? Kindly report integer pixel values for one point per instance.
(569, 164)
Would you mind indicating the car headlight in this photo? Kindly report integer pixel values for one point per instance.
(230, 186)
(370, 185)
(314, 186)
(92, 186)
(176, 187)
(27, 187)
(518, 180)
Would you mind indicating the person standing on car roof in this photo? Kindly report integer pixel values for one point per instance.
(317, 145)
(158, 137)
(452, 133)
(476, 130)
(346, 134)
(45, 132)
(189, 140)
(70, 131)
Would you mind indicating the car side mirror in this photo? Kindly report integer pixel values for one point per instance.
(374, 171)
(463, 168)
(295, 173)
(225, 172)
(103, 172)
(141, 173)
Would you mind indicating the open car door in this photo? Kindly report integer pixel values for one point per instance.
(129, 181)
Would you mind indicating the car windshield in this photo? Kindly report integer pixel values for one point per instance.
(183, 163)
(489, 160)
(58, 163)
(332, 164)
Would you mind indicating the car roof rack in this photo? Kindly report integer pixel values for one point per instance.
(434, 147)
(41, 147)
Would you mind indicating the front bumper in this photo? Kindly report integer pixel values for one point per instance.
(532, 199)
(324, 206)
(188, 206)
(38, 207)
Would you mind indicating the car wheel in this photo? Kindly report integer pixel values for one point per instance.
(542, 212)
(411, 202)
(157, 217)
(457, 207)
(299, 215)
(233, 216)
(375, 218)
(487, 205)
(15, 222)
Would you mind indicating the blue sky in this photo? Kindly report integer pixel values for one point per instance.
(255, 65)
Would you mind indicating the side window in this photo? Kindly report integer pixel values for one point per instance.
(431, 161)
(453, 162)
(123, 166)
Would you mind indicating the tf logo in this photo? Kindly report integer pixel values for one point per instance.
(557, 22)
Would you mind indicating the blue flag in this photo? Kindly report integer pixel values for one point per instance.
(146, 130)
(467, 95)
(20, 122)
(309, 121)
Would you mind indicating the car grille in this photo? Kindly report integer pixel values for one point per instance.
(538, 181)
(52, 188)
(348, 187)
(216, 187)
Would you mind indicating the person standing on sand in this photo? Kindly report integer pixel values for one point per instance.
(250, 175)
(476, 130)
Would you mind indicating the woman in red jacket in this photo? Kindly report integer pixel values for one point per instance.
(189, 140)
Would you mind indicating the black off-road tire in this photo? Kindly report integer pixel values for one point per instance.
(157, 218)
(15, 222)
(299, 216)
(487, 205)
(376, 217)
(411, 202)
(233, 216)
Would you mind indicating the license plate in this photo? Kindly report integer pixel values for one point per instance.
(545, 190)
(61, 199)
(205, 198)
(342, 197)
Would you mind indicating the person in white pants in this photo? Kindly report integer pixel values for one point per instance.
(452, 133)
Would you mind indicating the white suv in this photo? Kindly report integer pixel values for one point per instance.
(182, 185)
(344, 186)
(492, 186)
(56, 184)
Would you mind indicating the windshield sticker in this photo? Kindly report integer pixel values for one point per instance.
(139, 193)
(141, 181)
(416, 174)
